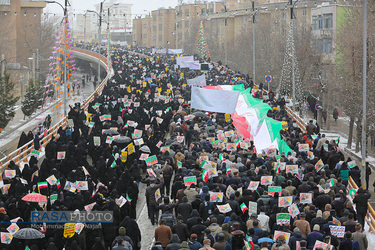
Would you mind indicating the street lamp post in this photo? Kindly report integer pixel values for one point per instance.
(293, 62)
(225, 34)
(253, 5)
(364, 108)
(64, 50)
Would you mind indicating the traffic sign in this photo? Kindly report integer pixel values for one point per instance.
(268, 78)
(317, 106)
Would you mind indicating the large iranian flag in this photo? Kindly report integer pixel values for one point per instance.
(250, 119)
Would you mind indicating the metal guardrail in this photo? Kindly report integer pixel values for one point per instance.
(22, 154)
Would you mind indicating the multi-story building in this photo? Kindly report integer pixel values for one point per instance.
(84, 27)
(21, 37)
(163, 28)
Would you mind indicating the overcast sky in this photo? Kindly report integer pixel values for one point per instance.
(138, 7)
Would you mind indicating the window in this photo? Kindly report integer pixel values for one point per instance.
(328, 21)
(284, 32)
(203, 11)
(160, 26)
(187, 24)
(160, 38)
(325, 46)
(4, 2)
(284, 14)
(187, 12)
(304, 12)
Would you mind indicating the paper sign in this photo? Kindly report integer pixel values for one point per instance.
(274, 189)
(253, 185)
(6, 238)
(139, 142)
(143, 157)
(61, 155)
(229, 191)
(51, 180)
(180, 139)
(35, 153)
(96, 140)
(319, 165)
(337, 231)
(303, 147)
(69, 230)
(157, 194)
(224, 208)
(89, 207)
(79, 228)
(188, 180)
(291, 169)
(121, 201)
(293, 210)
(320, 244)
(285, 201)
(53, 198)
(253, 207)
(159, 144)
(278, 233)
(82, 185)
(351, 164)
(216, 196)
(151, 160)
(13, 228)
(124, 156)
(151, 172)
(266, 180)
(282, 218)
(109, 139)
(130, 148)
(9, 173)
(305, 198)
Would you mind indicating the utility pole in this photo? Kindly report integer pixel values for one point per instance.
(225, 34)
(364, 97)
(293, 62)
(33, 72)
(253, 4)
(100, 37)
(65, 51)
(37, 65)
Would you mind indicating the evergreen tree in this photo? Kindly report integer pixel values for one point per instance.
(7, 101)
(201, 48)
(32, 99)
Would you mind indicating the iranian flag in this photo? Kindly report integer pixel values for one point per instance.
(93, 193)
(243, 208)
(250, 119)
(126, 126)
(221, 157)
(353, 191)
(337, 141)
(205, 175)
(229, 170)
(58, 184)
(113, 165)
(203, 163)
(42, 185)
(277, 167)
(128, 198)
(321, 189)
(331, 183)
(249, 243)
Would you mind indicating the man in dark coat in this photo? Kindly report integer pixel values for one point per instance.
(361, 200)
(184, 209)
(181, 229)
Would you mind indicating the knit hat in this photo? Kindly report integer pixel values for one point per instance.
(319, 213)
(316, 227)
(122, 231)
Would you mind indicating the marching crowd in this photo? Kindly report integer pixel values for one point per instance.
(200, 194)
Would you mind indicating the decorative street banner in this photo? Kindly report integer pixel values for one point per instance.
(222, 101)
(188, 180)
(282, 218)
(285, 201)
(224, 208)
(305, 198)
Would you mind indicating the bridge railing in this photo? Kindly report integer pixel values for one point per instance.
(22, 154)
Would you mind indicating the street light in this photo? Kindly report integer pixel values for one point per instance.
(364, 107)
(99, 33)
(253, 6)
(109, 34)
(225, 34)
(64, 50)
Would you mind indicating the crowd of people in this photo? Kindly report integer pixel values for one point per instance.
(141, 130)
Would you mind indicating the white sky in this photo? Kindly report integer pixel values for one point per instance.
(79, 6)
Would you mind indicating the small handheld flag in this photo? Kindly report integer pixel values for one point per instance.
(128, 198)
(243, 207)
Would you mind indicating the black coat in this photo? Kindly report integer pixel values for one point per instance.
(361, 200)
